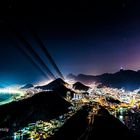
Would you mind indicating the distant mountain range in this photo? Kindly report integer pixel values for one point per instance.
(127, 79)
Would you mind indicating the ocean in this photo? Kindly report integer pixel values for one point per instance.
(6, 96)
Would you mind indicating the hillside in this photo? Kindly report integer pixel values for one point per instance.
(42, 106)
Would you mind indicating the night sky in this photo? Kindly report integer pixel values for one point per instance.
(82, 37)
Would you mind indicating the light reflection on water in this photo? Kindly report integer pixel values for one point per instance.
(6, 96)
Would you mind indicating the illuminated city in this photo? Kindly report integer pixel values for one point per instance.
(70, 70)
(118, 102)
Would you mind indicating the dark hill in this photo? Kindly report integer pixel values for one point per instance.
(80, 86)
(52, 85)
(58, 86)
(42, 106)
(62, 91)
(108, 127)
(73, 128)
(105, 126)
(27, 86)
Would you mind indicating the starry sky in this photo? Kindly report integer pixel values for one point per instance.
(82, 37)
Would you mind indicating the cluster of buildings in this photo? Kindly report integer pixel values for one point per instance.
(124, 105)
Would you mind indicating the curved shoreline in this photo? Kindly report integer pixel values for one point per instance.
(10, 99)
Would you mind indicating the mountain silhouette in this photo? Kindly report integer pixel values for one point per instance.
(127, 79)
(52, 85)
(80, 86)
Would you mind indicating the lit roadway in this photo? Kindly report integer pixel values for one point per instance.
(93, 111)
